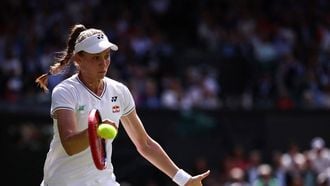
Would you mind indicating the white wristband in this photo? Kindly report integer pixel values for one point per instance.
(181, 177)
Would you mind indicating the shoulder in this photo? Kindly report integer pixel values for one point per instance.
(116, 85)
(67, 85)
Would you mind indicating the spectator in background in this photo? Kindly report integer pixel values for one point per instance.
(236, 178)
(323, 179)
(231, 38)
(172, 94)
(279, 171)
(289, 82)
(11, 71)
(319, 155)
(293, 162)
(238, 157)
(265, 177)
(254, 161)
(309, 175)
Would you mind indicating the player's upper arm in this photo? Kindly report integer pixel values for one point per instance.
(62, 98)
(135, 129)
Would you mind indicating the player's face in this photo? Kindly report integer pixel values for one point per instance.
(94, 65)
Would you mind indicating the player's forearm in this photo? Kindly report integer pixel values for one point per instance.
(155, 154)
(75, 143)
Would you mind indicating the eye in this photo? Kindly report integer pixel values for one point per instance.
(107, 57)
(96, 58)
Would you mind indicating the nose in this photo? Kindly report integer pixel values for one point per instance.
(105, 62)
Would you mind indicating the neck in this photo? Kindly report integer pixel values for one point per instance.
(95, 86)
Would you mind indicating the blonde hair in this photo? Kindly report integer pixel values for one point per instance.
(78, 33)
(64, 57)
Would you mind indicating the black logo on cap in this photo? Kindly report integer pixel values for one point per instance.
(100, 36)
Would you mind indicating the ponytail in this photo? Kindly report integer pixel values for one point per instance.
(64, 59)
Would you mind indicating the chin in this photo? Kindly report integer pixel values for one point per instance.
(102, 76)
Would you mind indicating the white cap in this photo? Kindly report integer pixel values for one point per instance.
(95, 44)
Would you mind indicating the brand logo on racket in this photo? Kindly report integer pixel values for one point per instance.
(115, 109)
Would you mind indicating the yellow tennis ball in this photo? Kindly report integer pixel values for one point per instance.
(106, 131)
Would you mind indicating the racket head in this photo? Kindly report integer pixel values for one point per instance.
(97, 144)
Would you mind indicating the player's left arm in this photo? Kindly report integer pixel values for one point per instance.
(151, 150)
(146, 146)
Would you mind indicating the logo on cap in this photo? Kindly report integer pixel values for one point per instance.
(100, 36)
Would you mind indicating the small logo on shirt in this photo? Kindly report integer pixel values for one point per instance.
(81, 108)
(113, 98)
(115, 109)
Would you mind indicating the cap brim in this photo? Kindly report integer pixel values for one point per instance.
(100, 47)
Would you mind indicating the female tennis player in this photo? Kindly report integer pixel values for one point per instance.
(69, 161)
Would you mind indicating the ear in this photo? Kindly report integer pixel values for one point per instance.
(77, 58)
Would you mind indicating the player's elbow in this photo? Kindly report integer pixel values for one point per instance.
(69, 151)
(69, 148)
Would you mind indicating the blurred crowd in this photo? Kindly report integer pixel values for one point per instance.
(204, 54)
(238, 166)
(295, 167)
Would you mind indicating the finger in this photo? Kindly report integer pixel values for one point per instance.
(110, 122)
(204, 175)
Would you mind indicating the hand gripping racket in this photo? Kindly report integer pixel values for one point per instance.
(96, 143)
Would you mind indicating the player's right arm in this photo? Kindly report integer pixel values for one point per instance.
(62, 109)
(73, 141)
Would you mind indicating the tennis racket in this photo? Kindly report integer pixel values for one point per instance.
(97, 144)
